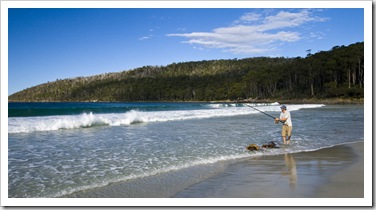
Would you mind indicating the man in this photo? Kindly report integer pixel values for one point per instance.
(285, 118)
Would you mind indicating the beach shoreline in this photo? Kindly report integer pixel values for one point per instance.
(328, 101)
(351, 177)
(336, 172)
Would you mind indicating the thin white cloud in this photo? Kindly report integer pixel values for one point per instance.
(254, 32)
(145, 37)
(317, 35)
(248, 17)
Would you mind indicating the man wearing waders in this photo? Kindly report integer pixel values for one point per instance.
(285, 118)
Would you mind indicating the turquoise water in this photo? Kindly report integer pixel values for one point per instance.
(45, 109)
(69, 149)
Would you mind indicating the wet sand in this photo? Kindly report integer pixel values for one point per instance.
(336, 172)
(327, 177)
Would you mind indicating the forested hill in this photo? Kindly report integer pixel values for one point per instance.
(337, 73)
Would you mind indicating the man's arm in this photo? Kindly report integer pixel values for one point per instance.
(283, 119)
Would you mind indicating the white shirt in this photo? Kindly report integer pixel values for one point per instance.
(288, 116)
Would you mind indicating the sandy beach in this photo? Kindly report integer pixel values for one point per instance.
(336, 172)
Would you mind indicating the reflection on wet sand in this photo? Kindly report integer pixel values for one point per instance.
(291, 170)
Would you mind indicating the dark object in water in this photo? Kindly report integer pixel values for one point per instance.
(270, 145)
(253, 147)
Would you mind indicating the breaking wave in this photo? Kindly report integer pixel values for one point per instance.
(85, 120)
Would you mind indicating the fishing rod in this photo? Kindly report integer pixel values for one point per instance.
(261, 111)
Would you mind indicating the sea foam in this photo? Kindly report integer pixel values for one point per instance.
(85, 120)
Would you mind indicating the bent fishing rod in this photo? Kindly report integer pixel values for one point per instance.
(260, 111)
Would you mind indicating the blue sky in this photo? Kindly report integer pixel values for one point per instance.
(49, 44)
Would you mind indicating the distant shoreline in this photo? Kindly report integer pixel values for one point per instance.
(308, 101)
(281, 101)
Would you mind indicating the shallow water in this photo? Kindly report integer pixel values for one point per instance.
(95, 149)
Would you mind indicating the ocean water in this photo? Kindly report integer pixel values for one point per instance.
(153, 149)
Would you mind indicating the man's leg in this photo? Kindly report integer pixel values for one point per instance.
(289, 131)
(284, 132)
